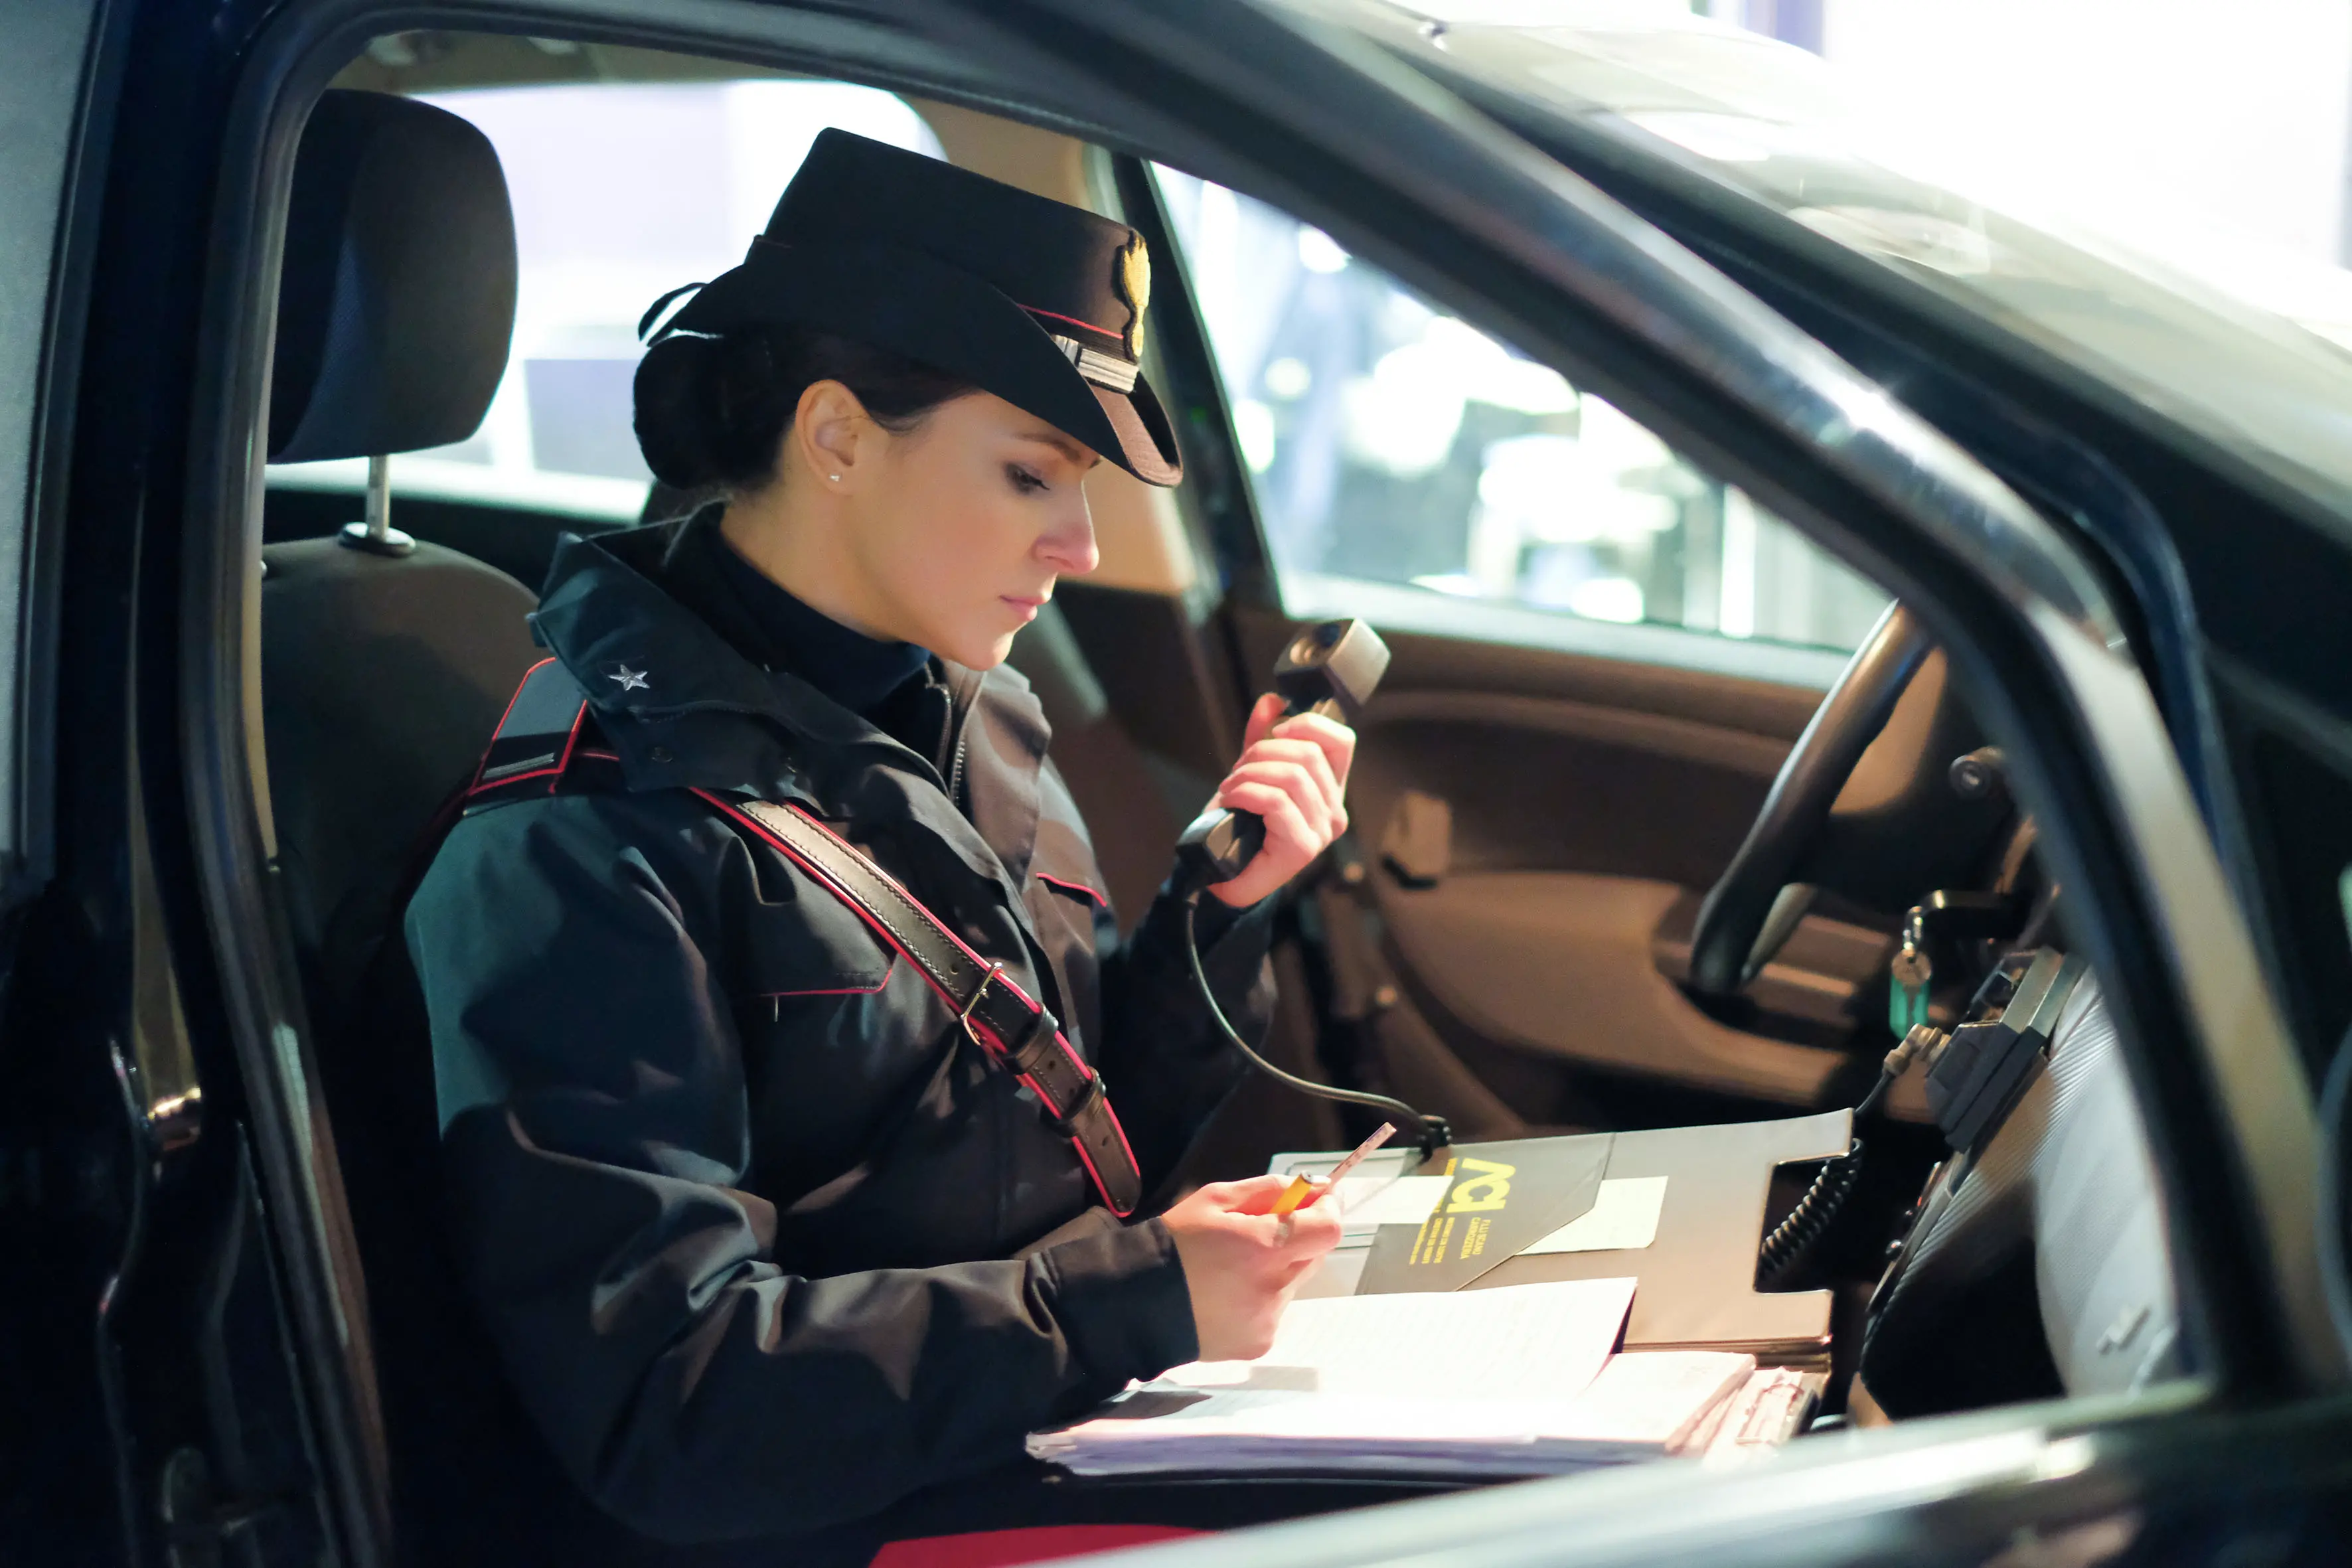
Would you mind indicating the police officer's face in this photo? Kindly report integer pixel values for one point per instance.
(960, 526)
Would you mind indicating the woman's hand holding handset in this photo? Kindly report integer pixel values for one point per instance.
(1242, 1261)
(1293, 773)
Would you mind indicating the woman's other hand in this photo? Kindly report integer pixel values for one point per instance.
(1293, 773)
(1242, 1262)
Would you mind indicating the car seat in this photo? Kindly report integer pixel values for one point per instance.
(386, 663)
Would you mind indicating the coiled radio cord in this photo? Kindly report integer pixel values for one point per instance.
(1432, 1132)
(1836, 1181)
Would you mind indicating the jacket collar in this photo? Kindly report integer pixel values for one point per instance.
(673, 695)
(642, 655)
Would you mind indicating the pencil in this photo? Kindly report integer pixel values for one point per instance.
(1302, 1192)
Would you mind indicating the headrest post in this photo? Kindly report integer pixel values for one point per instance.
(379, 498)
(376, 535)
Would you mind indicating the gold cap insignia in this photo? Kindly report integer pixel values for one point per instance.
(1132, 282)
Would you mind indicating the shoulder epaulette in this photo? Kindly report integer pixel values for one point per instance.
(548, 743)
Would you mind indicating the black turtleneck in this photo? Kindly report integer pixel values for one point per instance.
(780, 632)
(895, 685)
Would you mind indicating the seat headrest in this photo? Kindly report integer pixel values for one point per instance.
(396, 300)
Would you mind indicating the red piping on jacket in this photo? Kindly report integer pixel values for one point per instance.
(1069, 887)
(978, 962)
(888, 968)
(525, 681)
(746, 819)
(572, 740)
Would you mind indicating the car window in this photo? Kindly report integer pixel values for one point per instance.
(1408, 466)
(46, 60)
(620, 192)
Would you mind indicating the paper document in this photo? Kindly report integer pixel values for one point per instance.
(1641, 1406)
(1366, 1203)
(1538, 1342)
(1502, 1197)
(1518, 1380)
(1623, 1217)
(1649, 1403)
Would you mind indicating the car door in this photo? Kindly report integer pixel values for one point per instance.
(182, 1372)
(1601, 655)
(48, 211)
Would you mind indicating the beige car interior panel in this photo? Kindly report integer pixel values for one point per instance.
(1559, 963)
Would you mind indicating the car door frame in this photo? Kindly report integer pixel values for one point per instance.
(1278, 107)
(155, 1381)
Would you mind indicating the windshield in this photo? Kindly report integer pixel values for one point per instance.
(1766, 120)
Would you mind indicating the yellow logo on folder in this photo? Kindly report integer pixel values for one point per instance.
(1487, 1190)
(1483, 1187)
(1494, 1207)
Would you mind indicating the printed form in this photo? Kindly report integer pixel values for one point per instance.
(1518, 1380)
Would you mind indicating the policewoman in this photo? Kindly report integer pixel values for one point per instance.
(772, 1221)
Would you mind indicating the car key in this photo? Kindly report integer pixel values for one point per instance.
(1907, 979)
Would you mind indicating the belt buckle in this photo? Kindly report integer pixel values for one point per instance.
(980, 991)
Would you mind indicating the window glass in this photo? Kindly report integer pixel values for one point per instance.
(46, 56)
(620, 193)
(1393, 447)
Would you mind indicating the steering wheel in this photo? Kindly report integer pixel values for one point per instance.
(1742, 907)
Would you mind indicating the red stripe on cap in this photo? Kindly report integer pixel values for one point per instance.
(1089, 326)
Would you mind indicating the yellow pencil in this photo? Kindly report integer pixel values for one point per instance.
(1302, 1191)
(1299, 1187)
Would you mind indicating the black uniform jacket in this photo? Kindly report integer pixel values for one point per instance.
(753, 1224)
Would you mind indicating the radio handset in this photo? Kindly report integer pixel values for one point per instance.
(1330, 669)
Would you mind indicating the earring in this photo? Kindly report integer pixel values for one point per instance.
(836, 478)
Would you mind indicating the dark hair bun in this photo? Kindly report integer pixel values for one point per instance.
(711, 411)
(693, 417)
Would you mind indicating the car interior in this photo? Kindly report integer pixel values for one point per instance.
(1591, 885)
